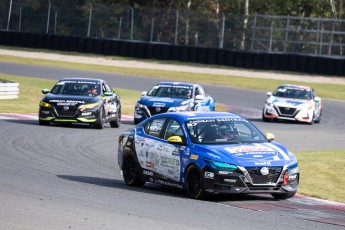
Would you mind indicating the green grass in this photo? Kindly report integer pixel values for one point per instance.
(322, 174)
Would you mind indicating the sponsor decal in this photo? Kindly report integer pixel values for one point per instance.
(253, 152)
(158, 104)
(263, 163)
(150, 164)
(224, 172)
(66, 102)
(168, 183)
(232, 181)
(161, 100)
(213, 155)
(148, 173)
(292, 177)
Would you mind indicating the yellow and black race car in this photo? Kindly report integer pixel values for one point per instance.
(80, 100)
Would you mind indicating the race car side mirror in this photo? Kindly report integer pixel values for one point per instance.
(199, 97)
(108, 94)
(317, 99)
(45, 91)
(175, 140)
(268, 94)
(269, 136)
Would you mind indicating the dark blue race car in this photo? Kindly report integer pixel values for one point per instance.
(172, 97)
(207, 152)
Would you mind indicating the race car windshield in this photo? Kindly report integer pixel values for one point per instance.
(85, 88)
(183, 92)
(294, 93)
(223, 131)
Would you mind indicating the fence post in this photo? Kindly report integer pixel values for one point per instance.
(9, 16)
(90, 18)
(132, 21)
(271, 35)
(287, 32)
(152, 28)
(55, 22)
(119, 32)
(253, 36)
(176, 26)
(48, 17)
(20, 19)
(221, 38)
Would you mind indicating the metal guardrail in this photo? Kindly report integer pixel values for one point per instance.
(9, 90)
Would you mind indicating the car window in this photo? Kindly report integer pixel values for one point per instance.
(223, 132)
(199, 91)
(173, 129)
(155, 127)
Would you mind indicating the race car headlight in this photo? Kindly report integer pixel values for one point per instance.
(178, 108)
(293, 168)
(45, 104)
(221, 165)
(88, 106)
(138, 105)
(269, 103)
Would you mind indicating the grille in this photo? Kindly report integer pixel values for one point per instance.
(154, 112)
(271, 177)
(60, 112)
(287, 111)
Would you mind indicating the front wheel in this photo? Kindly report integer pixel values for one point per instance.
(194, 184)
(283, 196)
(99, 124)
(130, 171)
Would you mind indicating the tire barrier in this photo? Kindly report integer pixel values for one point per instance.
(321, 65)
(8, 90)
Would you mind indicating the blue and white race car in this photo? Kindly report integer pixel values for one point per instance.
(172, 97)
(207, 152)
(294, 103)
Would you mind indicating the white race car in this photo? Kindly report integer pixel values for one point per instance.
(293, 102)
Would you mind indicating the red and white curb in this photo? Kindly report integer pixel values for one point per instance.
(17, 116)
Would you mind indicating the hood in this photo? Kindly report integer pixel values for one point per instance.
(287, 102)
(249, 155)
(57, 99)
(164, 102)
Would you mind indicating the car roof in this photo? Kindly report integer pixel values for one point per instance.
(80, 79)
(296, 86)
(195, 115)
(177, 83)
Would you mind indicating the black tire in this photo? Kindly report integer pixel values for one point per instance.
(131, 171)
(319, 118)
(265, 119)
(194, 183)
(283, 196)
(117, 122)
(40, 122)
(99, 124)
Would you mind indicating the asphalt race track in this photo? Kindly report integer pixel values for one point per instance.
(66, 177)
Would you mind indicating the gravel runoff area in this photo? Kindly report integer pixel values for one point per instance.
(172, 67)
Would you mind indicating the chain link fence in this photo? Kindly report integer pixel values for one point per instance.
(258, 33)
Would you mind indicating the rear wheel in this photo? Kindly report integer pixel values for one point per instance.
(117, 122)
(131, 171)
(194, 184)
(283, 196)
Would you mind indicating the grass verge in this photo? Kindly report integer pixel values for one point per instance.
(322, 174)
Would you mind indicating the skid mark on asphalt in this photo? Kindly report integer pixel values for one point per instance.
(300, 207)
(246, 112)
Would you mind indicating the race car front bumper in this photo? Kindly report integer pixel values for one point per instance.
(52, 115)
(288, 113)
(251, 180)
